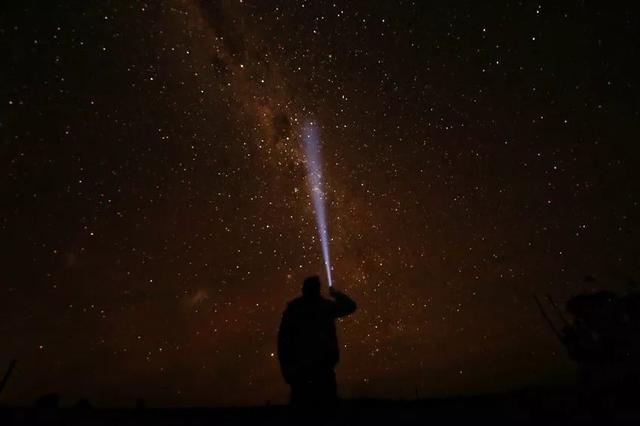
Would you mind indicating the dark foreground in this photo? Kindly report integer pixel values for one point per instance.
(539, 407)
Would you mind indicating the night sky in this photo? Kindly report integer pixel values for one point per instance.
(155, 216)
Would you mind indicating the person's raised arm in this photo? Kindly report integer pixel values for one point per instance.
(344, 305)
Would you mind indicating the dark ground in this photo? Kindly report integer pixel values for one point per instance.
(566, 407)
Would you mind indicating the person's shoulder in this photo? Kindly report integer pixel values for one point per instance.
(295, 303)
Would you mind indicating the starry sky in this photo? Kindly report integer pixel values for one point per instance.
(155, 217)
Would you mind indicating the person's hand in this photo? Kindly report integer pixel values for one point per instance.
(333, 291)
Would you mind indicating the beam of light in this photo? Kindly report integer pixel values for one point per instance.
(311, 141)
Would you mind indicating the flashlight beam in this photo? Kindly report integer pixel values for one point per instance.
(318, 197)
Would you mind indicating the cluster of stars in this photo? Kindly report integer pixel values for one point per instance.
(156, 217)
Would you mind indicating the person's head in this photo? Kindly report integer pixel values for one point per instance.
(311, 287)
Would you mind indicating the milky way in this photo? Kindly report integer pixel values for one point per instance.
(156, 217)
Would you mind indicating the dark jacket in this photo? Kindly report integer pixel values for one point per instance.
(307, 342)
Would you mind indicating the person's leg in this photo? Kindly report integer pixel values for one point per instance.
(326, 387)
(295, 392)
(303, 393)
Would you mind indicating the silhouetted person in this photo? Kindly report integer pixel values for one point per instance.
(307, 343)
